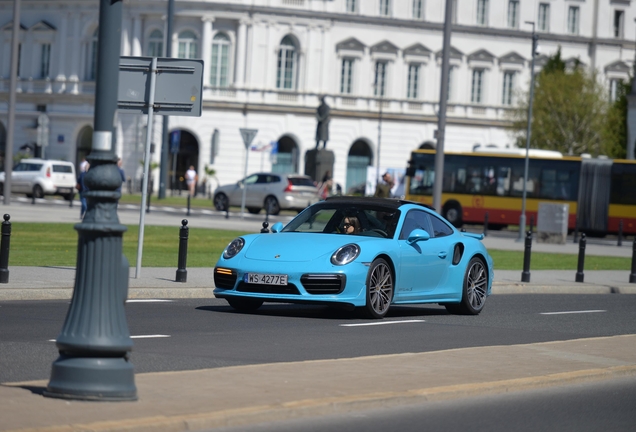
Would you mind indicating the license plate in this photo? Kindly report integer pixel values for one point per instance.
(265, 279)
(64, 190)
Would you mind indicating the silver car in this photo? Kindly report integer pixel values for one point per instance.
(39, 177)
(270, 191)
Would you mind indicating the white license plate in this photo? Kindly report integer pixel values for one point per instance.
(265, 279)
(64, 190)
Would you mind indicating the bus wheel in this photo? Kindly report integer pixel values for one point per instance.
(452, 211)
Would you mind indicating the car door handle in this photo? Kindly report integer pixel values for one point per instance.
(442, 255)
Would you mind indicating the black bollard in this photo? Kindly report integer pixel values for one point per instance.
(579, 270)
(148, 202)
(33, 199)
(70, 201)
(525, 274)
(486, 224)
(4, 249)
(188, 213)
(264, 230)
(632, 276)
(620, 233)
(182, 273)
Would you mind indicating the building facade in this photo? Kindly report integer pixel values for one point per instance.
(268, 62)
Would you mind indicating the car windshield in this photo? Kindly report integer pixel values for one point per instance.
(344, 218)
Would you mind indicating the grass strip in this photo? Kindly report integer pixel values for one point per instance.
(55, 244)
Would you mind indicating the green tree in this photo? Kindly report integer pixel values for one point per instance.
(616, 125)
(570, 111)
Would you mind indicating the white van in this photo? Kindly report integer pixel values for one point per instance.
(39, 177)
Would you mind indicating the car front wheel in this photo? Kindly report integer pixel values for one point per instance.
(38, 192)
(271, 205)
(221, 202)
(379, 289)
(474, 290)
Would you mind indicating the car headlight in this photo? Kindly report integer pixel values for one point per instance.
(345, 254)
(233, 248)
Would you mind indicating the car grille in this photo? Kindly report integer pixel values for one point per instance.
(224, 278)
(323, 283)
(268, 289)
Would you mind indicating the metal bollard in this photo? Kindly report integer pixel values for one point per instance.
(620, 233)
(486, 224)
(581, 263)
(148, 203)
(70, 201)
(4, 249)
(182, 273)
(264, 230)
(632, 276)
(188, 213)
(33, 199)
(525, 274)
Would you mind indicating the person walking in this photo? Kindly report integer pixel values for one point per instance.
(383, 190)
(121, 173)
(82, 189)
(191, 180)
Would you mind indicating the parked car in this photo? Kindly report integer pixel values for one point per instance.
(269, 191)
(40, 177)
(361, 252)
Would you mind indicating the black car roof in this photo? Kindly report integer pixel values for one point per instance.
(384, 202)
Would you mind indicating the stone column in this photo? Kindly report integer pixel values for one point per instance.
(241, 48)
(76, 47)
(135, 38)
(206, 45)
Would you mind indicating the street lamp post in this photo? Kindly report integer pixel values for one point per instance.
(377, 164)
(95, 342)
(522, 218)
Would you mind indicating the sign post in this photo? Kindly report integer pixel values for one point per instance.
(166, 86)
(248, 136)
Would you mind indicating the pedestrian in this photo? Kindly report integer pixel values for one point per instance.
(325, 185)
(383, 190)
(83, 165)
(121, 173)
(191, 178)
(82, 189)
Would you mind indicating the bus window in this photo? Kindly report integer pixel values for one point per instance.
(623, 189)
(559, 180)
(503, 181)
(531, 185)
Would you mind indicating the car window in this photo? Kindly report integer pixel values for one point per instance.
(261, 179)
(440, 228)
(62, 169)
(34, 167)
(273, 179)
(415, 219)
(19, 167)
(251, 179)
(301, 181)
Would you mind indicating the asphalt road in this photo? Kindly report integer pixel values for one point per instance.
(207, 333)
(607, 405)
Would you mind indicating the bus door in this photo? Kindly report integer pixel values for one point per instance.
(594, 195)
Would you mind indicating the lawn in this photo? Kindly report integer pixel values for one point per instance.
(44, 244)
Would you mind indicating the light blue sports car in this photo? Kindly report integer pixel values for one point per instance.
(369, 253)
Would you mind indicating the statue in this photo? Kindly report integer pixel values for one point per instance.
(322, 131)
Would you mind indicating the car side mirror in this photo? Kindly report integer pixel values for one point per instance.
(277, 227)
(418, 235)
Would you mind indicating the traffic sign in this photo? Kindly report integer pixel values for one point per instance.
(248, 136)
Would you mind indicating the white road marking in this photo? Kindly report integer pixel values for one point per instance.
(571, 312)
(381, 323)
(134, 337)
(147, 301)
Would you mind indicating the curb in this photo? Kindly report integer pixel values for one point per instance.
(335, 405)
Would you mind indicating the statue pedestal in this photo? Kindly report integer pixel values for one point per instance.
(318, 162)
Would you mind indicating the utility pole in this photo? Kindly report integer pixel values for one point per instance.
(13, 80)
(443, 100)
(95, 342)
(165, 141)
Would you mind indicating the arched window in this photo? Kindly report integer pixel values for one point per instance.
(360, 157)
(91, 57)
(155, 44)
(220, 60)
(188, 45)
(287, 64)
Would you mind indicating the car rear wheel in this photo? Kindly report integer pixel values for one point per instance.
(254, 210)
(474, 290)
(38, 192)
(271, 205)
(452, 211)
(245, 305)
(379, 289)
(221, 202)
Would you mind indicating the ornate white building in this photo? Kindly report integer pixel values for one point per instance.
(267, 62)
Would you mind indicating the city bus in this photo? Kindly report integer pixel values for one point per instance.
(600, 192)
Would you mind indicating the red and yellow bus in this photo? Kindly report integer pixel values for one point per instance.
(600, 192)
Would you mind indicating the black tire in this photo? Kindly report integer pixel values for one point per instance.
(380, 288)
(474, 290)
(254, 210)
(271, 204)
(452, 211)
(38, 192)
(244, 304)
(221, 203)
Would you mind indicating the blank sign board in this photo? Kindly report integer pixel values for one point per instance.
(178, 86)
